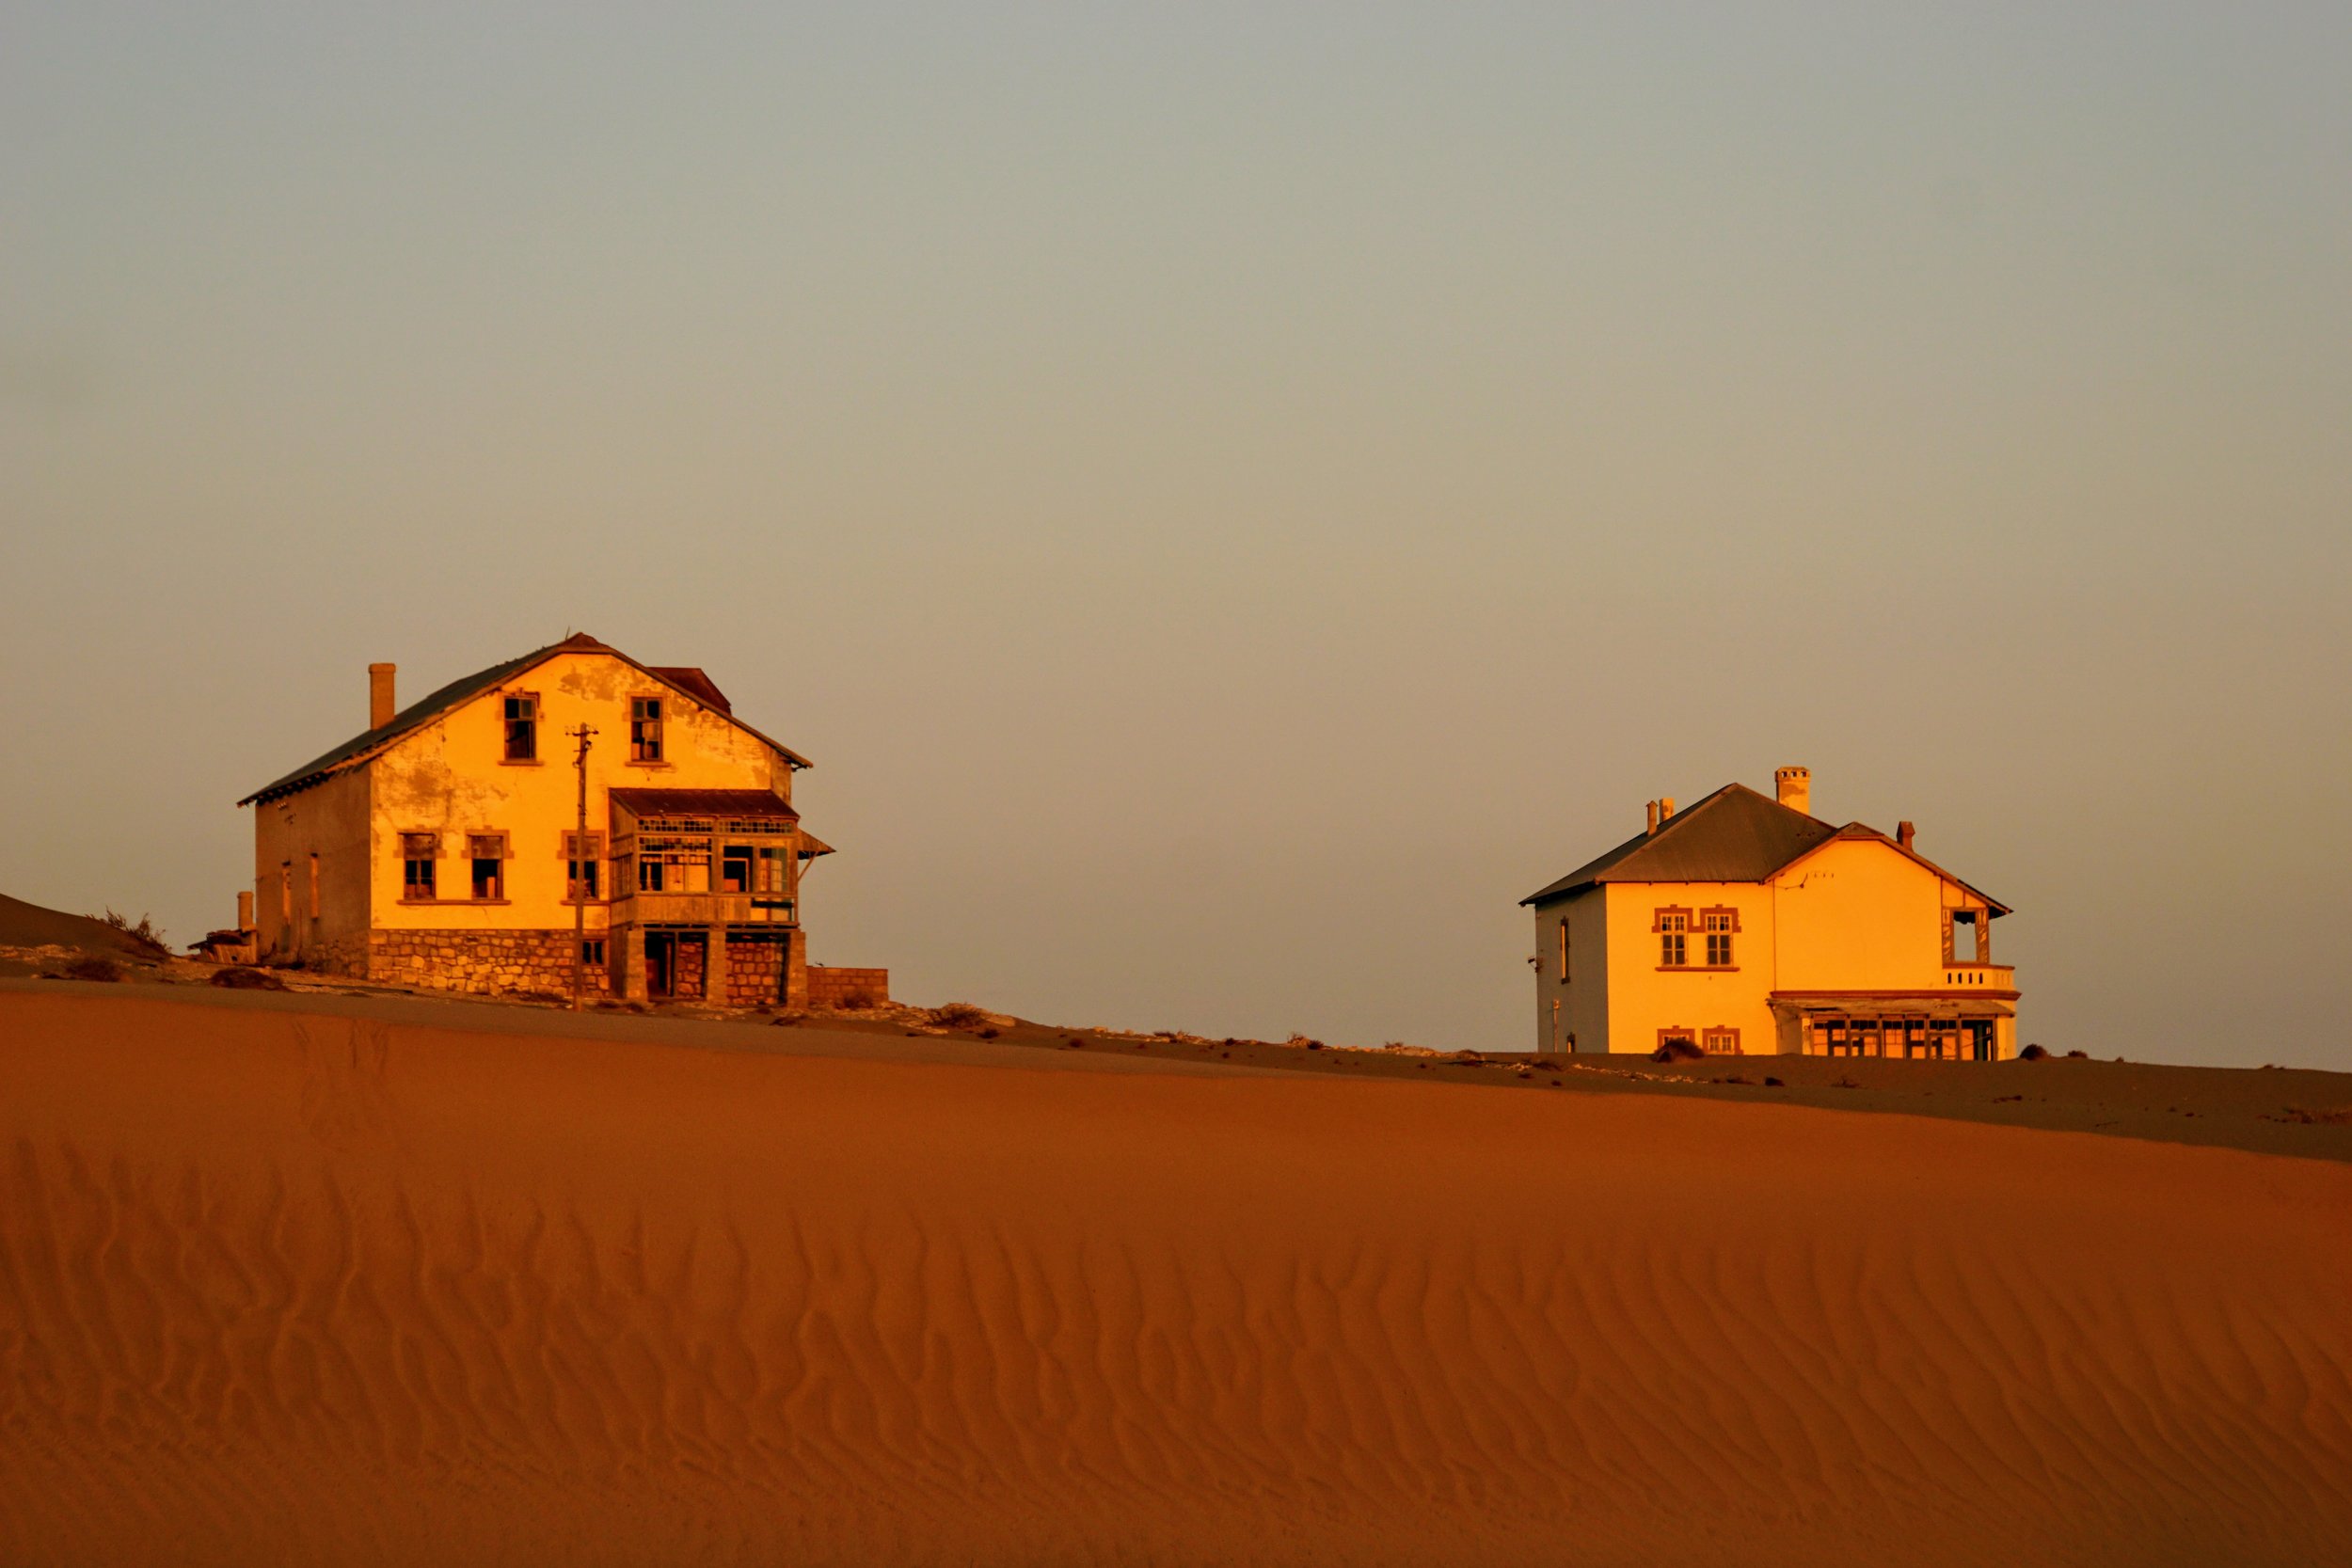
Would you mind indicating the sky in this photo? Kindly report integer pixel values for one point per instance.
(1230, 497)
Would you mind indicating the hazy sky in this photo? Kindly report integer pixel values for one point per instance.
(1232, 497)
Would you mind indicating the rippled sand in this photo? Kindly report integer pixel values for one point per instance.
(287, 1289)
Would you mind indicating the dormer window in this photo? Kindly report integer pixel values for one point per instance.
(645, 729)
(522, 727)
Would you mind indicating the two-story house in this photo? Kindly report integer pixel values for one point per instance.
(1747, 925)
(464, 842)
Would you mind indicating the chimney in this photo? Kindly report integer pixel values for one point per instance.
(1665, 809)
(380, 704)
(1653, 814)
(1904, 833)
(1793, 787)
(245, 912)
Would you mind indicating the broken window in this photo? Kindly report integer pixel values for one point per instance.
(674, 865)
(522, 727)
(488, 853)
(314, 886)
(645, 729)
(285, 891)
(774, 868)
(735, 868)
(592, 952)
(583, 863)
(418, 851)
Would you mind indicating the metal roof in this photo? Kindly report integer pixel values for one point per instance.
(1733, 835)
(704, 803)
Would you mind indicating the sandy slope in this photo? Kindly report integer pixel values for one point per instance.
(277, 1287)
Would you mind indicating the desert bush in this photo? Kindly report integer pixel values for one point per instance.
(1676, 1049)
(959, 1015)
(2082, 1056)
(1468, 1058)
(238, 978)
(2032, 1054)
(145, 931)
(1774, 1083)
(102, 969)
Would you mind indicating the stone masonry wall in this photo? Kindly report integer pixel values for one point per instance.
(848, 988)
(482, 963)
(754, 971)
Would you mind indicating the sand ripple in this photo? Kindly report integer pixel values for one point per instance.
(284, 1289)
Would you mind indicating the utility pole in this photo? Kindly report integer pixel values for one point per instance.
(581, 862)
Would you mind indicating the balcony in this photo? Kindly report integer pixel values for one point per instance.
(704, 908)
(1980, 977)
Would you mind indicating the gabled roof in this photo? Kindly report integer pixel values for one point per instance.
(1733, 835)
(369, 743)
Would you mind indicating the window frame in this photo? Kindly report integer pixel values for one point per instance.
(429, 859)
(569, 847)
(1671, 925)
(475, 839)
(1730, 1036)
(647, 747)
(507, 732)
(1565, 947)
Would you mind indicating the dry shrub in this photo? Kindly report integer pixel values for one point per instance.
(987, 1033)
(144, 931)
(1468, 1058)
(2336, 1116)
(959, 1015)
(238, 978)
(2032, 1054)
(1676, 1049)
(2082, 1056)
(102, 969)
(1774, 1083)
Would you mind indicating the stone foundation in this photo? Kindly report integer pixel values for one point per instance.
(754, 972)
(481, 963)
(830, 988)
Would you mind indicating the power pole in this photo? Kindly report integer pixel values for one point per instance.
(580, 864)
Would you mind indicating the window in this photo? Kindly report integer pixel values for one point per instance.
(591, 951)
(314, 887)
(488, 853)
(1564, 949)
(1719, 925)
(1720, 1042)
(1674, 942)
(735, 868)
(522, 727)
(645, 729)
(674, 865)
(418, 851)
(285, 891)
(772, 873)
(583, 862)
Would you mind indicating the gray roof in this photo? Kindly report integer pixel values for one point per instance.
(368, 742)
(1733, 835)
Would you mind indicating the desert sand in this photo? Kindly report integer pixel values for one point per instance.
(281, 1285)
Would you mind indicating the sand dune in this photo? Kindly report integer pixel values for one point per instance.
(278, 1287)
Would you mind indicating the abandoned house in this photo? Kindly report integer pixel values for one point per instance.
(444, 846)
(1748, 925)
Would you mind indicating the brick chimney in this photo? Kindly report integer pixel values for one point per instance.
(1793, 787)
(1904, 833)
(380, 704)
(245, 912)
(1665, 809)
(1652, 807)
